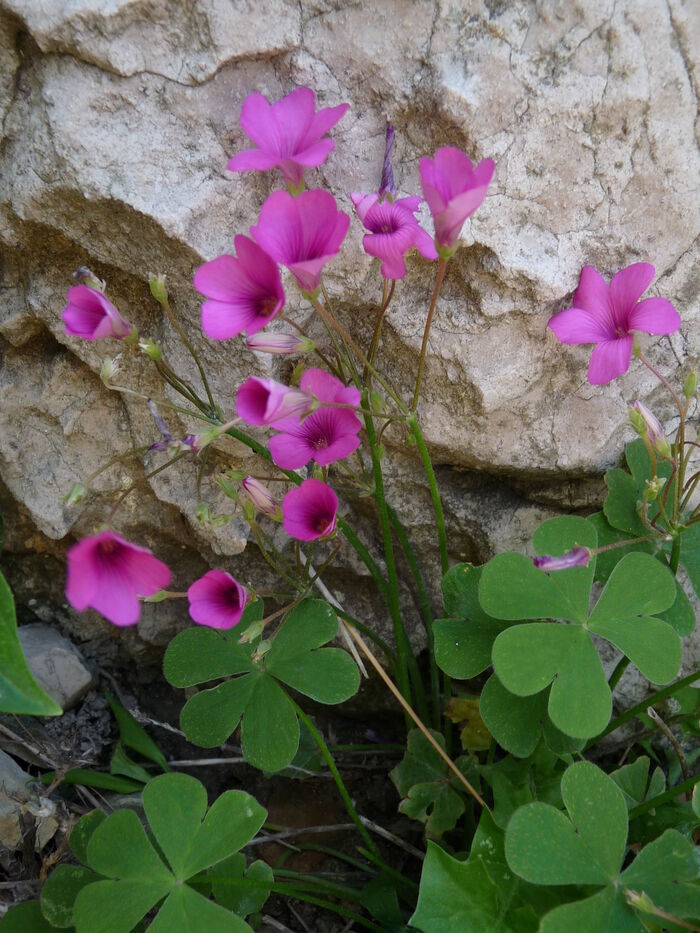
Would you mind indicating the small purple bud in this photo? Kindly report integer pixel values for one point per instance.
(576, 557)
(261, 497)
(282, 344)
(646, 424)
(387, 188)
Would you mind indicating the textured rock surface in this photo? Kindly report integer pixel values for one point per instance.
(55, 663)
(117, 122)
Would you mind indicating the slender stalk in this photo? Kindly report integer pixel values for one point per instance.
(342, 789)
(290, 890)
(400, 636)
(658, 721)
(665, 381)
(133, 486)
(620, 669)
(426, 732)
(434, 491)
(183, 336)
(675, 554)
(442, 266)
(387, 295)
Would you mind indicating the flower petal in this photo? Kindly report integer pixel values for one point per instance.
(222, 320)
(655, 316)
(253, 160)
(610, 358)
(290, 451)
(259, 124)
(324, 120)
(626, 288)
(578, 325)
(315, 153)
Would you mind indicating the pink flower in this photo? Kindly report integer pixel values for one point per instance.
(576, 557)
(453, 188)
(261, 497)
(245, 293)
(326, 435)
(264, 401)
(108, 574)
(310, 511)
(281, 344)
(607, 314)
(302, 233)
(91, 316)
(217, 600)
(393, 231)
(289, 134)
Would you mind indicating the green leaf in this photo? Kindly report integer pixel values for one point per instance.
(598, 812)
(681, 615)
(328, 675)
(135, 736)
(620, 506)
(604, 912)
(120, 763)
(633, 781)
(82, 833)
(119, 848)
(115, 906)
(232, 821)
(696, 800)
(60, 891)
(98, 779)
(210, 716)
(546, 648)
(513, 588)
(606, 562)
(515, 722)
(667, 870)
(198, 655)
(270, 728)
(460, 590)
(186, 911)
(559, 535)
(309, 625)
(175, 805)
(638, 586)
(19, 692)
(25, 918)
(690, 554)
(652, 645)
(463, 646)
(232, 894)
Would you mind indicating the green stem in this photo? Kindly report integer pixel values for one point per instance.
(289, 890)
(664, 798)
(425, 610)
(442, 266)
(400, 636)
(377, 639)
(342, 789)
(183, 336)
(322, 885)
(675, 554)
(620, 669)
(434, 491)
(634, 711)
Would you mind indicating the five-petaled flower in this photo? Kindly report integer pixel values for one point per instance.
(290, 134)
(244, 291)
(310, 511)
(302, 233)
(217, 600)
(328, 434)
(606, 315)
(108, 574)
(453, 188)
(393, 230)
(91, 316)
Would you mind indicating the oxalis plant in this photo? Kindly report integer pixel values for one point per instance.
(524, 831)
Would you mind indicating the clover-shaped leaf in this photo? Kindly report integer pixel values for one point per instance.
(625, 490)
(586, 846)
(253, 696)
(230, 893)
(427, 786)
(639, 587)
(189, 838)
(636, 784)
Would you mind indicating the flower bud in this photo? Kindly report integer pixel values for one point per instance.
(254, 630)
(690, 386)
(262, 649)
(157, 597)
(376, 401)
(108, 370)
(87, 277)
(151, 349)
(640, 901)
(76, 495)
(157, 285)
(203, 513)
(652, 488)
(262, 498)
(576, 557)
(387, 187)
(280, 344)
(646, 424)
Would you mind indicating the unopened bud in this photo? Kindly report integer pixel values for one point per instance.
(376, 401)
(280, 344)
(262, 649)
(157, 285)
(108, 370)
(652, 488)
(157, 597)
(203, 513)
(646, 424)
(249, 512)
(76, 495)
(576, 557)
(87, 277)
(228, 486)
(690, 386)
(640, 901)
(254, 630)
(387, 187)
(151, 349)
(262, 498)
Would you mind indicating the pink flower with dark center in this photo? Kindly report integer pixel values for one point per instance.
(393, 230)
(91, 316)
(302, 233)
(217, 600)
(264, 401)
(289, 134)
(310, 511)
(453, 188)
(576, 557)
(607, 314)
(326, 435)
(108, 574)
(245, 292)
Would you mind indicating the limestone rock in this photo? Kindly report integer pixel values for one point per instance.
(55, 663)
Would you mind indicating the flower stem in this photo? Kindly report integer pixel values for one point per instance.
(442, 265)
(434, 491)
(342, 789)
(183, 336)
(675, 554)
(374, 345)
(620, 669)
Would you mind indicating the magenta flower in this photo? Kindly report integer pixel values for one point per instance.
(646, 424)
(281, 344)
(245, 292)
(108, 574)
(453, 188)
(264, 401)
(310, 511)
(302, 233)
(91, 316)
(326, 435)
(393, 230)
(289, 134)
(261, 497)
(217, 600)
(607, 314)
(576, 557)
